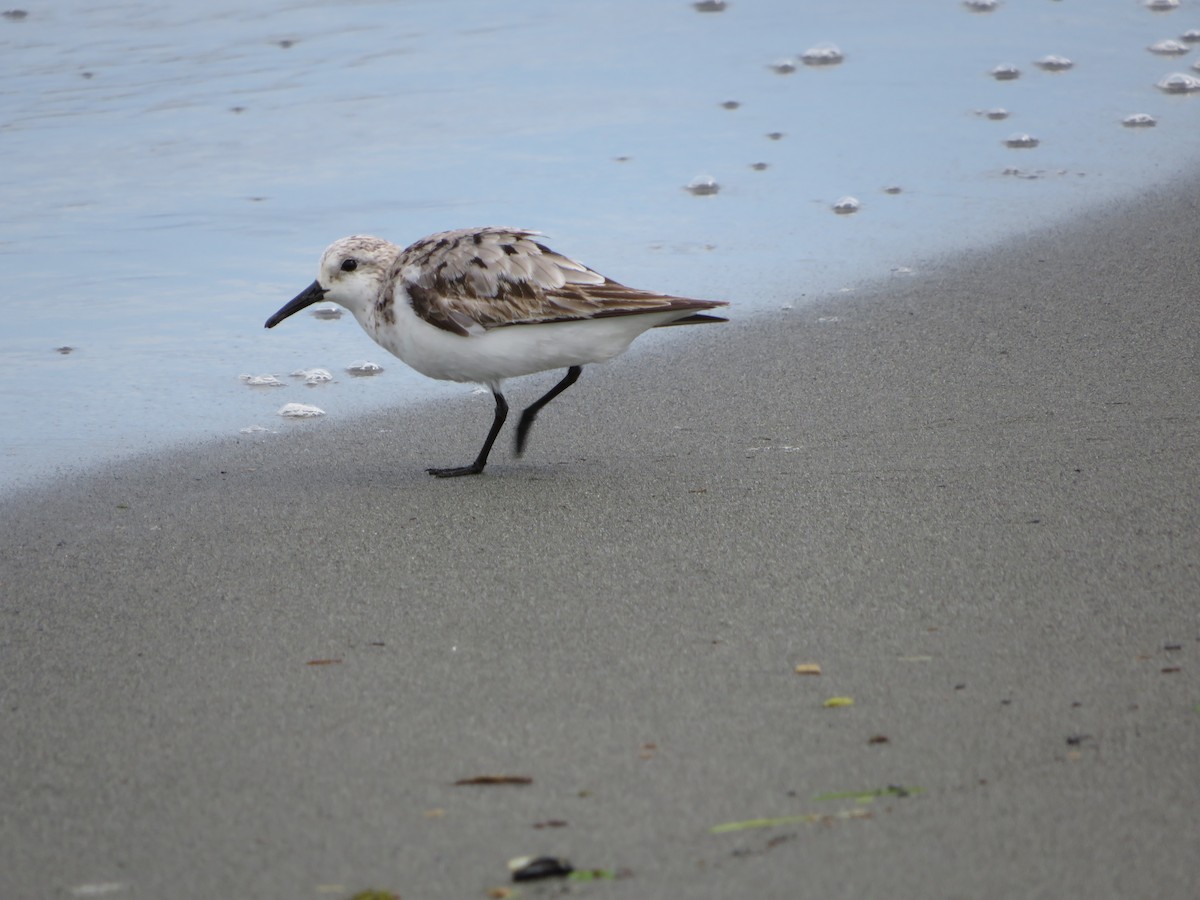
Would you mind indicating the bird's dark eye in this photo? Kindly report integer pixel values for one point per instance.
(349, 265)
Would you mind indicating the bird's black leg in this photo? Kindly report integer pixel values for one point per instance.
(481, 460)
(534, 408)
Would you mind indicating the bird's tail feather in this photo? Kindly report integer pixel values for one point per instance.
(695, 319)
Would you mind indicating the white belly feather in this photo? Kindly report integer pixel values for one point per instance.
(487, 357)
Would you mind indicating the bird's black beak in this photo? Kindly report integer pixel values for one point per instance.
(307, 297)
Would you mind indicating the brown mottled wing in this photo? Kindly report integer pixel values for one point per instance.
(474, 279)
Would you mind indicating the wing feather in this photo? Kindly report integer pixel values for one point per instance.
(474, 279)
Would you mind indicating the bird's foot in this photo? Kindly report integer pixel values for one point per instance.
(473, 469)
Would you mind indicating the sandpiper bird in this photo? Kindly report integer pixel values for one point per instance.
(485, 304)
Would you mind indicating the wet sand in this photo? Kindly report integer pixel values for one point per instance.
(969, 494)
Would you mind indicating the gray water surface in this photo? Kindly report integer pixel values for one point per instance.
(172, 173)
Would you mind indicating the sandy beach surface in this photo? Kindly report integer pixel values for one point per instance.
(971, 495)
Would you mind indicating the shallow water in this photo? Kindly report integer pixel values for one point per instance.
(172, 173)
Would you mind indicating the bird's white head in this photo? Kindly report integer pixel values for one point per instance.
(352, 274)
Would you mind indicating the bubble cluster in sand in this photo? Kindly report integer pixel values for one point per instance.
(327, 312)
(300, 411)
(1179, 83)
(1053, 63)
(783, 67)
(981, 6)
(261, 381)
(1006, 72)
(1169, 47)
(702, 186)
(822, 55)
(363, 368)
(1139, 120)
(1021, 141)
(313, 376)
(846, 206)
